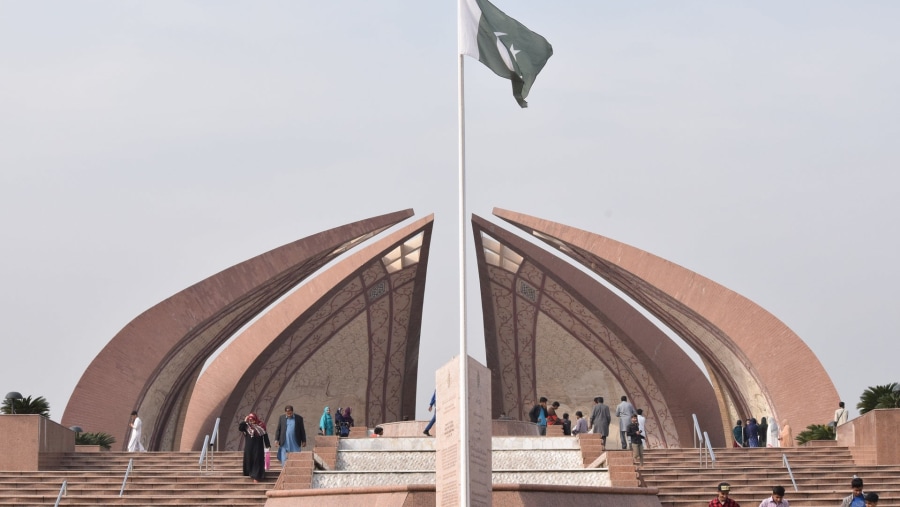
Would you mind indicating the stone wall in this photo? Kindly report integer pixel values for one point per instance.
(31, 442)
(875, 433)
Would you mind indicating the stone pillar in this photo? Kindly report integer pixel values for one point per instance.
(450, 437)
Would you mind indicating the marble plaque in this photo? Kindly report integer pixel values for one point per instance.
(449, 486)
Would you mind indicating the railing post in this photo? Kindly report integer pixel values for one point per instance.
(127, 473)
(215, 434)
(698, 438)
(787, 465)
(62, 491)
(214, 443)
(709, 449)
(203, 453)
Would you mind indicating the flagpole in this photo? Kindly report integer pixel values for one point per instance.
(463, 352)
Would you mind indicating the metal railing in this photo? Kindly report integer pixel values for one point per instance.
(62, 492)
(203, 454)
(790, 472)
(127, 473)
(210, 445)
(701, 440)
(698, 436)
(709, 450)
(214, 440)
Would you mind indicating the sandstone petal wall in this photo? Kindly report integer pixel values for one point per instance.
(734, 336)
(151, 365)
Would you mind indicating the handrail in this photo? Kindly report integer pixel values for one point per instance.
(203, 453)
(127, 473)
(698, 437)
(62, 491)
(790, 472)
(709, 449)
(213, 440)
(214, 444)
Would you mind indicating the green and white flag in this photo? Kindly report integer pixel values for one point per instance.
(506, 46)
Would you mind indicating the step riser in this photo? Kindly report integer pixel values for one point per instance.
(821, 473)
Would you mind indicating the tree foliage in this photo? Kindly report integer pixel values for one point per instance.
(104, 440)
(815, 432)
(884, 396)
(28, 405)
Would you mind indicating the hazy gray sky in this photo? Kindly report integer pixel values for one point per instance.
(145, 146)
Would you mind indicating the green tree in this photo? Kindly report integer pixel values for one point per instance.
(37, 405)
(879, 397)
(815, 432)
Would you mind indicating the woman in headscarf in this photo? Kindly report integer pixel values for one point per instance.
(326, 423)
(763, 432)
(774, 433)
(256, 440)
(338, 419)
(786, 437)
(738, 433)
(346, 422)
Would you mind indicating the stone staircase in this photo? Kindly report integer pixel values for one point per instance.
(369, 462)
(822, 474)
(157, 478)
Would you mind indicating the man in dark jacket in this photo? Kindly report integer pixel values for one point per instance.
(290, 434)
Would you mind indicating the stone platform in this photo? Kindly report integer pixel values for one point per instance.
(400, 471)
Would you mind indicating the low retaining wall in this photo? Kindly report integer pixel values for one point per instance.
(30, 442)
(874, 434)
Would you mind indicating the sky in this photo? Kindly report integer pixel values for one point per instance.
(147, 145)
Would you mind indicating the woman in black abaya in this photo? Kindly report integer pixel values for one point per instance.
(256, 441)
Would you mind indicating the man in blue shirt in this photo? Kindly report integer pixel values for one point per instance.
(857, 498)
(538, 415)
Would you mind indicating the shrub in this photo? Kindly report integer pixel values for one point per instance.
(815, 432)
(104, 440)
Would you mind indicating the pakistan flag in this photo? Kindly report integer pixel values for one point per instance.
(506, 46)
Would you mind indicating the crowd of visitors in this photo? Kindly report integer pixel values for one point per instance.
(290, 436)
(857, 497)
(753, 433)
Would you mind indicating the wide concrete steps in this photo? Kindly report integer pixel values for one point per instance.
(400, 461)
(822, 475)
(165, 478)
(411, 460)
(369, 478)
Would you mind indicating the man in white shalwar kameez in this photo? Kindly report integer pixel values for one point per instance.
(134, 443)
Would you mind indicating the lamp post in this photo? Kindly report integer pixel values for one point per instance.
(77, 430)
(12, 396)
